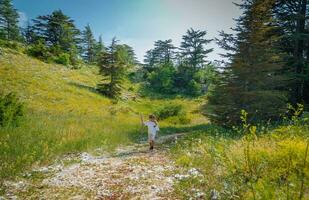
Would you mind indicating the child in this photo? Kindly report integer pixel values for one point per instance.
(153, 128)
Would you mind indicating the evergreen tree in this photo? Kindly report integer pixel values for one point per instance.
(29, 34)
(113, 68)
(59, 33)
(9, 29)
(99, 49)
(292, 16)
(252, 79)
(89, 45)
(192, 60)
(193, 48)
(131, 59)
(163, 53)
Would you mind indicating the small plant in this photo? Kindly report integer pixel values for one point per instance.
(63, 59)
(250, 136)
(170, 110)
(11, 109)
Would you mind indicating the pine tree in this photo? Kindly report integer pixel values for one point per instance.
(252, 80)
(29, 34)
(9, 29)
(113, 68)
(192, 60)
(59, 32)
(131, 59)
(292, 16)
(99, 49)
(163, 53)
(89, 45)
(193, 48)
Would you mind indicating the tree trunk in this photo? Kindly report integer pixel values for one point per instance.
(299, 50)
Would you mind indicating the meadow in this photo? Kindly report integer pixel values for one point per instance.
(269, 163)
(65, 114)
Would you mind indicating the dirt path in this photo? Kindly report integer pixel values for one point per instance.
(132, 172)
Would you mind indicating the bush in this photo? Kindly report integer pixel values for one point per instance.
(194, 88)
(39, 50)
(11, 109)
(162, 79)
(170, 110)
(11, 45)
(179, 119)
(63, 59)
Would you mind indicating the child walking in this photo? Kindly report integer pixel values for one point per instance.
(153, 128)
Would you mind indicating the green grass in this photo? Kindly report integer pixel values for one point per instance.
(269, 166)
(64, 113)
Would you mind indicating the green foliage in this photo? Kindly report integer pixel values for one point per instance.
(12, 45)
(113, 68)
(193, 48)
(194, 88)
(184, 72)
(63, 59)
(9, 29)
(89, 45)
(11, 110)
(256, 166)
(252, 81)
(58, 34)
(291, 17)
(162, 79)
(170, 110)
(38, 50)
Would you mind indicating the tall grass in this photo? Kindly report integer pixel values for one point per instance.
(272, 165)
(42, 137)
(64, 113)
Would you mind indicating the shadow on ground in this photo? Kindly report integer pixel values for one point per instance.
(84, 87)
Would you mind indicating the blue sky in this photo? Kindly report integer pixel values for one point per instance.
(140, 22)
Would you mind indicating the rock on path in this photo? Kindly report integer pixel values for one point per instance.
(131, 173)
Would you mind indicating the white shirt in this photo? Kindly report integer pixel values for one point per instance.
(152, 127)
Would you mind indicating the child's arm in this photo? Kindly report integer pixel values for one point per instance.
(142, 123)
(142, 120)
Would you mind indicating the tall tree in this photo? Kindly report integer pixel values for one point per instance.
(252, 79)
(163, 53)
(292, 16)
(131, 59)
(193, 48)
(113, 68)
(59, 32)
(89, 45)
(29, 34)
(9, 29)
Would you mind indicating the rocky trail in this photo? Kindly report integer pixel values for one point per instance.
(131, 172)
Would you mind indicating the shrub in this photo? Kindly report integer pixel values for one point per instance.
(38, 50)
(11, 109)
(179, 119)
(170, 110)
(194, 88)
(63, 59)
(162, 79)
(11, 45)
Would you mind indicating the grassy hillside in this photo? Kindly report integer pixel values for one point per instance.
(65, 114)
(266, 164)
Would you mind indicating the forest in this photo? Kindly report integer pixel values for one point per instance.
(235, 128)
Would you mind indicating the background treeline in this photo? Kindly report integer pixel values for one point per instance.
(179, 70)
(54, 38)
(268, 63)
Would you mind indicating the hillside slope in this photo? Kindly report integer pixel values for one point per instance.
(65, 114)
